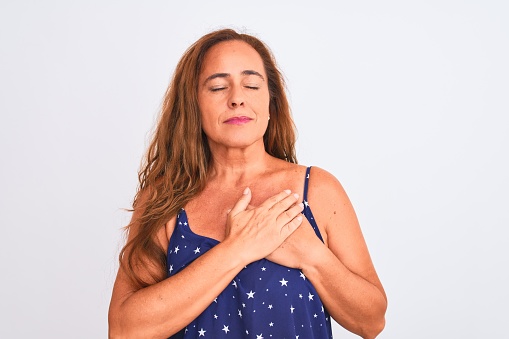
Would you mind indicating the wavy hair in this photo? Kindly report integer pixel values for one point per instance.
(174, 169)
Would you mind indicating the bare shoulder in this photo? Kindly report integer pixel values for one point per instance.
(329, 201)
(325, 189)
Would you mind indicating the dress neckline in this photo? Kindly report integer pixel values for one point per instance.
(187, 227)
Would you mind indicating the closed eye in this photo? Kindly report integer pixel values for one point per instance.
(217, 89)
(252, 87)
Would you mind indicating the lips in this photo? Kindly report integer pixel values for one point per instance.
(238, 120)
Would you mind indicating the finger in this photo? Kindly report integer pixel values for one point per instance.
(242, 203)
(289, 214)
(290, 227)
(270, 202)
(284, 204)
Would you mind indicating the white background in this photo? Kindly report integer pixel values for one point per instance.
(405, 102)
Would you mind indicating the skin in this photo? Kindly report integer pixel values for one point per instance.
(265, 222)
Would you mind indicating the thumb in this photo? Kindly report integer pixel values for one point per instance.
(242, 203)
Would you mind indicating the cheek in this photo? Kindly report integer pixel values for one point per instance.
(266, 103)
(261, 102)
(206, 109)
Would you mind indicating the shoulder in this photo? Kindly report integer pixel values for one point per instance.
(329, 200)
(325, 183)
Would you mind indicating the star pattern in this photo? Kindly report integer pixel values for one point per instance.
(264, 301)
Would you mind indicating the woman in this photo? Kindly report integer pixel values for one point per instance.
(218, 245)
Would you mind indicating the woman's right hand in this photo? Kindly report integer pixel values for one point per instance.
(260, 230)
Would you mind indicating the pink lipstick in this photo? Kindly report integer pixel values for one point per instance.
(238, 120)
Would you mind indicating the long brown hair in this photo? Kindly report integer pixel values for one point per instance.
(176, 163)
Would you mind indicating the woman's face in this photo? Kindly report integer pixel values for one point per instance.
(233, 95)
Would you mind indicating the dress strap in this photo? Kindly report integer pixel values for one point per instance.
(306, 181)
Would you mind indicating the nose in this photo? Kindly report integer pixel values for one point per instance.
(236, 98)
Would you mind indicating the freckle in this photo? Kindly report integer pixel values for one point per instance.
(334, 212)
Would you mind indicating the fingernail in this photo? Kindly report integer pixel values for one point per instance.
(299, 218)
(296, 195)
(301, 205)
(246, 191)
(288, 191)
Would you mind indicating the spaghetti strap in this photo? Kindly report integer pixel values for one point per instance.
(306, 182)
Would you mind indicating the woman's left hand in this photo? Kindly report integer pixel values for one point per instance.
(302, 245)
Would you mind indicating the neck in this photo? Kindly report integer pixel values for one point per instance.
(238, 166)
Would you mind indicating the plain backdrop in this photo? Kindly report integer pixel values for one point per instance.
(405, 102)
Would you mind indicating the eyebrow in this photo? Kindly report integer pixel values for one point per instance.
(226, 75)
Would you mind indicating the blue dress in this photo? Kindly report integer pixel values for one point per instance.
(265, 300)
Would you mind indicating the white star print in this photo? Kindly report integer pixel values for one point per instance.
(185, 224)
(278, 320)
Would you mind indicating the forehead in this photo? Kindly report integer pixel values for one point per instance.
(231, 57)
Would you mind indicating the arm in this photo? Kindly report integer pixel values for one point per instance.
(341, 270)
(165, 307)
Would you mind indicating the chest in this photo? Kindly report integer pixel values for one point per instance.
(207, 213)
